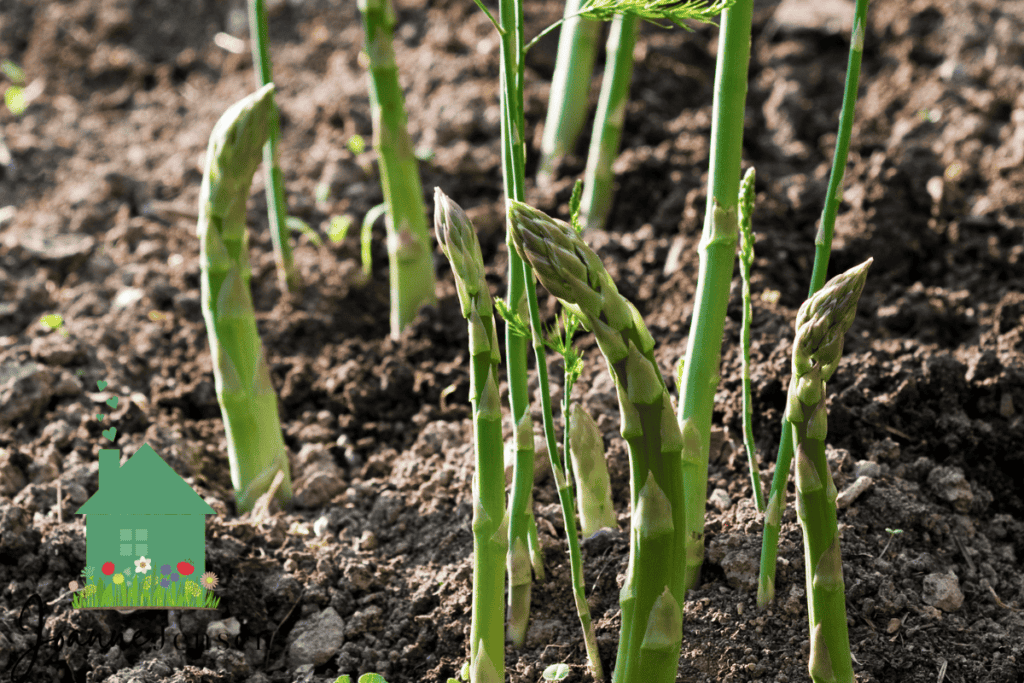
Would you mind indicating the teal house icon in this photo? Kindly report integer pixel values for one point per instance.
(148, 525)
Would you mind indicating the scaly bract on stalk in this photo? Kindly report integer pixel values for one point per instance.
(652, 597)
(821, 325)
(247, 399)
(459, 243)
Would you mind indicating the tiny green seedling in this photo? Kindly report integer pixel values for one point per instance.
(893, 533)
(556, 672)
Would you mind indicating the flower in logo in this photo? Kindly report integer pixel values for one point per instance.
(148, 583)
(143, 565)
(118, 579)
(174, 576)
(107, 568)
(165, 583)
(208, 580)
(165, 569)
(192, 588)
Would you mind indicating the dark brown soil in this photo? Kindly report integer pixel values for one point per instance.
(928, 402)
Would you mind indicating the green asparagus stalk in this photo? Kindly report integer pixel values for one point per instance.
(248, 403)
(410, 262)
(599, 180)
(273, 178)
(746, 261)
(822, 250)
(820, 328)
(570, 87)
(651, 600)
(593, 488)
(717, 256)
(459, 243)
(513, 154)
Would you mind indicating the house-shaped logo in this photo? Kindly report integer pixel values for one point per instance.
(145, 537)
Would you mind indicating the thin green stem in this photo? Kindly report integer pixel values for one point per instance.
(410, 261)
(746, 261)
(717, 256)
(522, 526)
(823, 239)
(570, 87)
(599, 179)
(277, 211)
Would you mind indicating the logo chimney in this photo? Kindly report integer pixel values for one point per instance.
(110, 463)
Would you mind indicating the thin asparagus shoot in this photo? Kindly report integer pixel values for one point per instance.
(822, 249)
(746, 261)
(593, 488)
(460, 245)
(821, 325)
(652, 599)
(701, 372)
(273, 178)
(410, 261)
(570, 87)
(248, 402)
(599, 179)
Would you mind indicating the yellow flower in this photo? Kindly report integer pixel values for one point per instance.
(192, 588)
(89, 590)
(118, 579)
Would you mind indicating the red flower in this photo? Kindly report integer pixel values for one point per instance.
(185, 568)
(108, 568)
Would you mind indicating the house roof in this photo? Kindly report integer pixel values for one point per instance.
(145, 485)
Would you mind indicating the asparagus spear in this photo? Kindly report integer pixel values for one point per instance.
(599, 182)
(410, 263)
(593, 489)
(247, 399)
(459, 243)
(652, 598)
(820, 327)
(570, 85)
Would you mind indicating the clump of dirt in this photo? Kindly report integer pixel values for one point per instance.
(369, 569)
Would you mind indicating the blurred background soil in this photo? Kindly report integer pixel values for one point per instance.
(369, 569)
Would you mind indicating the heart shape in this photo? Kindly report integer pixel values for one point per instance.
(99, 417)
(110, 433)
(102, 385)
(112, 402)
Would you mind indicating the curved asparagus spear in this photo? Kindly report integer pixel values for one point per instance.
(652, 598)
(248, 402)
(459, 243)
(820, 327)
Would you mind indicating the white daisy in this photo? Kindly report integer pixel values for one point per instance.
(143, 565)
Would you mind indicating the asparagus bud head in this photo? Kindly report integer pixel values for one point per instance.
(824, 319)
(459, 243)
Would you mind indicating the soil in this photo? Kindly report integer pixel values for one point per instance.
(98, 200)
